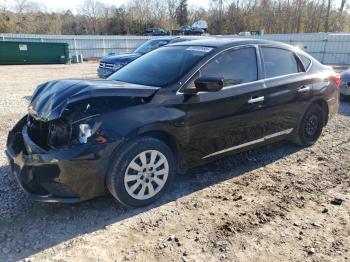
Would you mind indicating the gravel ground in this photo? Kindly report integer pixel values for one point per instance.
(276, 203)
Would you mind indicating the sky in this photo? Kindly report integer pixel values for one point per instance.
(54, 5)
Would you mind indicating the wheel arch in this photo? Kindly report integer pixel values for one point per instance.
(164, 136)
(169, 140)
(323, 104)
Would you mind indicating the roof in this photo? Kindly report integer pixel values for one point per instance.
(220, 42)
(168, 38)
(187, 37)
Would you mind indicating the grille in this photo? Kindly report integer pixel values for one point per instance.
(106, 65)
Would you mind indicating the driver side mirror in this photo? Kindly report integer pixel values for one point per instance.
(209, 84)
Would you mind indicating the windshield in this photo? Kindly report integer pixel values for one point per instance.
(162, 67)
(150, 45)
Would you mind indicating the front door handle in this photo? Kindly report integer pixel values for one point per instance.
(304, 89)
(254, 100)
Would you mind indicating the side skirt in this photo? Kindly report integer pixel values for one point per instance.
(257, 141)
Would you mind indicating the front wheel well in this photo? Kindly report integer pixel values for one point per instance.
(171, 142)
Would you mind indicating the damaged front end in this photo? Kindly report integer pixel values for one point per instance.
(59, 152)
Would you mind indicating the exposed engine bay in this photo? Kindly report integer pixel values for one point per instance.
(66, 130)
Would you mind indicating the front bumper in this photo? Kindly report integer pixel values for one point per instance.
(69, 175)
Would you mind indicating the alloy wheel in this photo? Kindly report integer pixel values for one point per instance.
(146, 174)
(311, 125)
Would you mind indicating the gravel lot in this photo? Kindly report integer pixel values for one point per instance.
(276, 203)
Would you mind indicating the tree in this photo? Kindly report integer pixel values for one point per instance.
(172, 6)
(4, 5)
(24, 18)
(326, 25)
(92, 10)
(223, 16)
(5, 20)
(182, 13)
(217, 9)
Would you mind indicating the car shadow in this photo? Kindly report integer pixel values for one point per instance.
(28, 227)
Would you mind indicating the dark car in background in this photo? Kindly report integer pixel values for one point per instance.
(112, 63)
(345, 84)
(189, 30)
(175, 108)
(155, 31)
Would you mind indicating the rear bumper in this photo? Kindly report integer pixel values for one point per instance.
(70, 175)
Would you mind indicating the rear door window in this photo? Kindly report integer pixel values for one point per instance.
(279, 62)
(234, 66)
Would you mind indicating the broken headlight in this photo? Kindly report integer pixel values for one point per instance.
(85, 132)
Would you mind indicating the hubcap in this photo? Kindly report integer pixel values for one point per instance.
(146, 174)
(311, 125)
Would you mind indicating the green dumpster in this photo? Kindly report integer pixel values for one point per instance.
(12, 53)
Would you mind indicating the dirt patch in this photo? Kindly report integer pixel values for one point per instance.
(276, 203)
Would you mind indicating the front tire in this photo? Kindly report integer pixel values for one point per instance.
(311, 126)
(141, 171)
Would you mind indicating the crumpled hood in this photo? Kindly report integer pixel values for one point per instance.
(125, 58)
(50, 99)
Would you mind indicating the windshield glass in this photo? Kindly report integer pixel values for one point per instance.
(150, 45)
(162, 67)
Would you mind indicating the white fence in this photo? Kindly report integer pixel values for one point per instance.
(88, 46)
(326, 47)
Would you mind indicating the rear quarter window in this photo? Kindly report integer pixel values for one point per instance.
(305, 60)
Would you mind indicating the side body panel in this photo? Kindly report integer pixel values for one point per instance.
(286, 98)
(222, 120)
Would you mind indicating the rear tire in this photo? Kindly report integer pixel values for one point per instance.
(311, 126)
(141, 171)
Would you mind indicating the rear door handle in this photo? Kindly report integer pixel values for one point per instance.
(254, 100)
(304, 89)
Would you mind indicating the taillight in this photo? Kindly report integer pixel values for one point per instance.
(336, 79)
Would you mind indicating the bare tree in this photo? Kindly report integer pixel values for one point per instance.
(4, 5)
(342, 5)
(217, 7)
(326, 25)
(92, 10)
(26, 6)
(172, 7)
(223, 16)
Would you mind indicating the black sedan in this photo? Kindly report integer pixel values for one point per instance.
(155, 31)
(172, 109)
(190, 30)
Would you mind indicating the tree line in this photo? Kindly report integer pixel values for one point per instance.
(222, 16)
